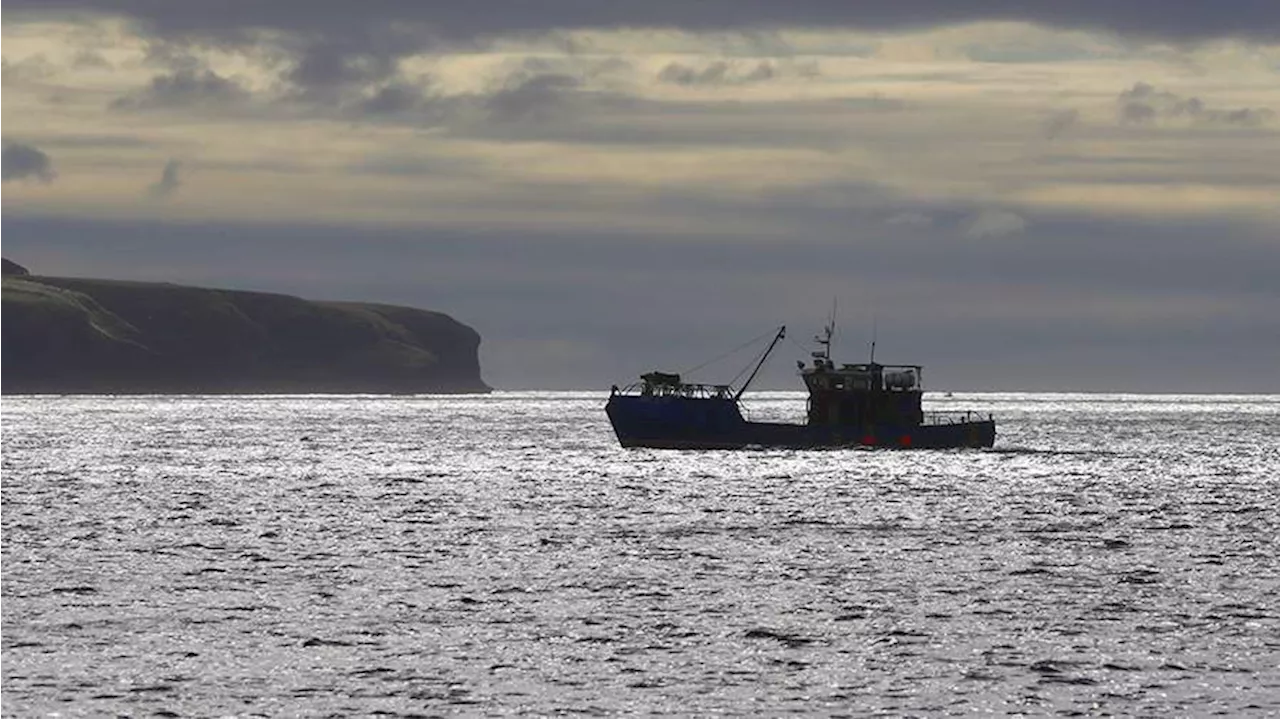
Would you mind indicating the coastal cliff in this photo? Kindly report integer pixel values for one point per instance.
(67, 335)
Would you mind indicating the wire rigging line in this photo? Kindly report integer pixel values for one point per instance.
(798, 346)
(735, 350)
(749, 365)
(756, 359)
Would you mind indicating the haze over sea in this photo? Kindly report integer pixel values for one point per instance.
(500, 555)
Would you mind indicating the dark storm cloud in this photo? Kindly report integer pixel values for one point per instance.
(523, 99)
(716, 73)
(536, 98)
(393, 99)
(325, 65)
(1177, 19)
(681, 74)
(361, 53)
(185, 88)
(1143, 103)
(635, 302)
(25, 162)
(347, 56)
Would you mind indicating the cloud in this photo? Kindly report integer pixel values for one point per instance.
(323, 66)
(910, 219)
(96, 140)
(25, 162)
(680, 74)
(533, 98)
(357, 71)
(393, 99)
(358, 52)
(994, 223)
(90, 60)
(1059, 123)
(28, 69)
(183, 89)
(1087, 291)
(716, 73)
(169, 181)
(1137, 113)
(1144, 104)
(241, 20)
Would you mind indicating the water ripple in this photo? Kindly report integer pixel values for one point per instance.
(272, 556)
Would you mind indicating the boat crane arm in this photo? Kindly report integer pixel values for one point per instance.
(782, 332)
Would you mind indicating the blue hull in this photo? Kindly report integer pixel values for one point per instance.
(666, 422)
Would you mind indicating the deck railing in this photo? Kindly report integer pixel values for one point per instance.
(683, 389)
(954, 417)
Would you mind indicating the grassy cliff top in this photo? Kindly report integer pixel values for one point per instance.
(68, 334)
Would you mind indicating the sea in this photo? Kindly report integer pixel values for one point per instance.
(501, 555)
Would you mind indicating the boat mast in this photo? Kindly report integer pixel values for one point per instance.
(782, 332)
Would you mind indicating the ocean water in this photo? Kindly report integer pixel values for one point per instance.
(501, 555)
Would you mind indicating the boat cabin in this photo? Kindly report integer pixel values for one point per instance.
(863, 395)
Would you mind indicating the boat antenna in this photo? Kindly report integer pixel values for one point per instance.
(831, 326)
(874, 326)
(824, 340)
(782, 332)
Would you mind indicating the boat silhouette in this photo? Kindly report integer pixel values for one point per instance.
(849, 405)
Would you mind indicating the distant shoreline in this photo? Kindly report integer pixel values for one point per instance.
(70, 335)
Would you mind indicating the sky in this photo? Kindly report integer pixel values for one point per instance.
(1019, 195)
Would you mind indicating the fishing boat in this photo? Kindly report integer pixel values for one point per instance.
(850, 405)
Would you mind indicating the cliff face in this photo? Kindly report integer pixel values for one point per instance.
(71, 335)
